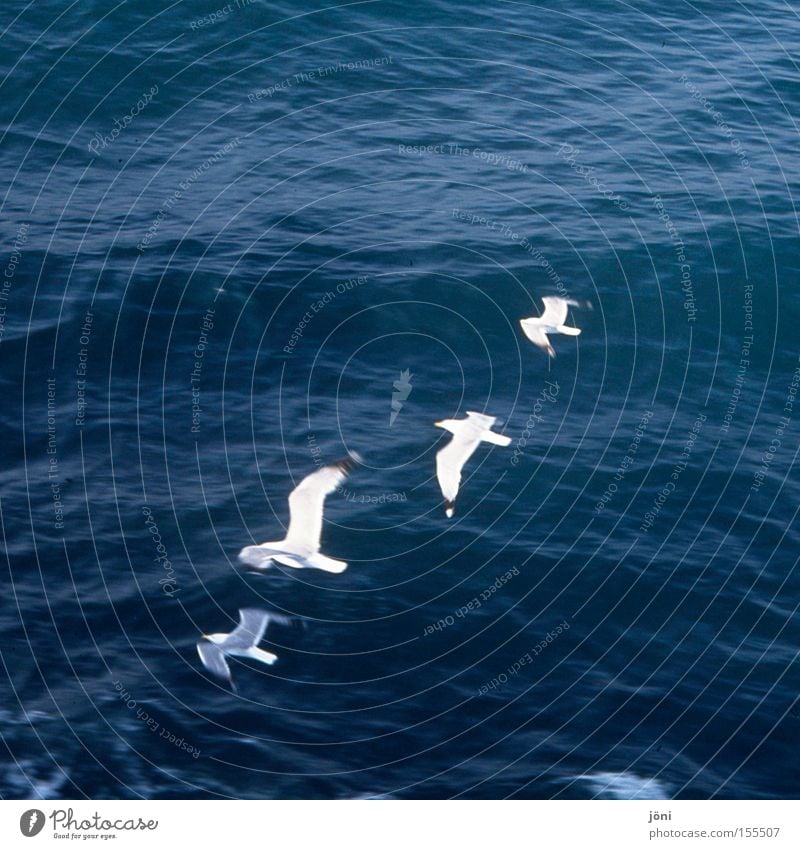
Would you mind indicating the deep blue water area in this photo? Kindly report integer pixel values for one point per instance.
(228, 230)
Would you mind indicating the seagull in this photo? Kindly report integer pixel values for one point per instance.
(300, 548)
(467, 433)
(241, 642)
(550, 321)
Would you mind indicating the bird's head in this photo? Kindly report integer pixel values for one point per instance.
(214, 638)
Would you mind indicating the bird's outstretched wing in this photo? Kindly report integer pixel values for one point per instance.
(534, 332)
(555, 311)
(214, 660)
(250, 630)
(481, 419)
(450, 461)
(307, 501)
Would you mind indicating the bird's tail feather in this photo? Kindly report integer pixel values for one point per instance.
(327, 564)
(264, 656)
(495, 438)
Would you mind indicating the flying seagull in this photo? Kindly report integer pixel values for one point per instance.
(550, 321)
(300, 548)
(241, 642)
(467, 433)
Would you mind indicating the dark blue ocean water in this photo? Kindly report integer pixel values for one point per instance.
(180, 190)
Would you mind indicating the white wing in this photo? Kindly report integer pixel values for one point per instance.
(249, 631)
(450, 461)
(532, 329)
(214, 660)
(481, 419)
(555, 311)
(307, 500)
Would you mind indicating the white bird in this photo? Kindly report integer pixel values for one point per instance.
(467, 433)
(300, 548)
(550, 321)
(241, 642)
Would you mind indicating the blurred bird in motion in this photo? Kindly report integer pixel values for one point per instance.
(214, 649)
(550, 321)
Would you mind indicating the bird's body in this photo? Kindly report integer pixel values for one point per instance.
(214, 649)
(300, 548)
(468, 434)
(550, 321)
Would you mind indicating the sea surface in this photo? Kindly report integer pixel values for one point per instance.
(228, 232)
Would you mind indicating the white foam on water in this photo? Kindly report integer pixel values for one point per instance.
(625, 785)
